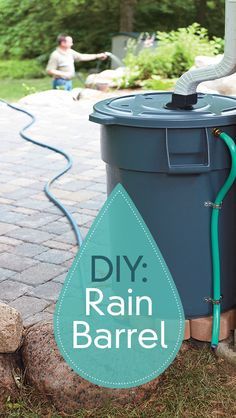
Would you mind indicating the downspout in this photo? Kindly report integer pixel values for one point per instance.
(184, 97)
(185, 93)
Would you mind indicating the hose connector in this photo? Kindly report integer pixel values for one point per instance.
(217, 132)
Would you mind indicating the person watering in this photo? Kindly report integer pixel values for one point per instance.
(61, 62)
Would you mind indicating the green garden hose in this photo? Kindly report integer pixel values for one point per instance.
(216, 300)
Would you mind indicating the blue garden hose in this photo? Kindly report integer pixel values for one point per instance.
(47, 186)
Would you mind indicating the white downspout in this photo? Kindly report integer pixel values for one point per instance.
(185, 90)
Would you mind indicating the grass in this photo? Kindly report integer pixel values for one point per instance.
(14, 89)
(196, 385)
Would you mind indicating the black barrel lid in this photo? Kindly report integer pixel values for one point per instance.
(148, 110)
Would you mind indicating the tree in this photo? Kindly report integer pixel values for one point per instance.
(29, 28)
(201, 11)
(127, 9)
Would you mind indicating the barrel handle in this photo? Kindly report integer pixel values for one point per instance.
(187, 168)
(102, 119)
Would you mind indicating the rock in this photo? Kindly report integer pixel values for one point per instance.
(96, 95)
(47, 371)
(8, 369)
(76, 93)
(224, 85)
(11, 329)
(92, 94)
(106, 79)
(225, 349)
(206, 88)
(203, 60)
(48, 98)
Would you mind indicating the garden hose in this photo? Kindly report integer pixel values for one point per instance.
(47, 186)
(216, 206)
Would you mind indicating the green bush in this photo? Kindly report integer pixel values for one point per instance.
(158, 83)
(21, 69)
(173, 56)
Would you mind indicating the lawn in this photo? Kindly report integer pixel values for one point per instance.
(13, 89)
(196, 385)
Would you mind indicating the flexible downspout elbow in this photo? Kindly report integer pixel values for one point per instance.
(185, 94)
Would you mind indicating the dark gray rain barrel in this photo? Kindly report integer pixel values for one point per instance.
(171, 164)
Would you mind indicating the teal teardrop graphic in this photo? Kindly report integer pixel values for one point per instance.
(119, 320)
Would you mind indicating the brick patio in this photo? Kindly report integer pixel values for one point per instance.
(37, 245)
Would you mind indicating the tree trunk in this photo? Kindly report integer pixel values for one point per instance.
(201, 11)
(127, 9)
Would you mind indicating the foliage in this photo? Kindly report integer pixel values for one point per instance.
(167, 15)
(29, 28)
(30, 68)
(186, 44)
(158, 83)
(174, 54)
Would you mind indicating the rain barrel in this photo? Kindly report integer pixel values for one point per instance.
(172, 165)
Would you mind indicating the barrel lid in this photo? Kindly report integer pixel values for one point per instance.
(148, 110)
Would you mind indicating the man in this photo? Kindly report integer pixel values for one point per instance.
(61, 62)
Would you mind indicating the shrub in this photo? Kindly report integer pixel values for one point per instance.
(30, 68)
(174, 54)
(158, 83)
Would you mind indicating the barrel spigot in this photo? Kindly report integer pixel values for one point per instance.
(216, 131)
